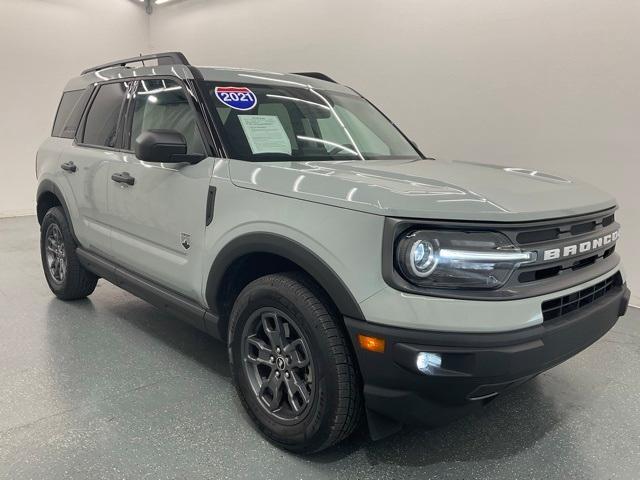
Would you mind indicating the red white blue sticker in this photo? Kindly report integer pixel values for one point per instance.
(238, 98)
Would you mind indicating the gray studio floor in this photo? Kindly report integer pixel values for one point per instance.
(112, 388)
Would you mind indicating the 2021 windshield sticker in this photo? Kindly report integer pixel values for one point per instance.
(238, 98)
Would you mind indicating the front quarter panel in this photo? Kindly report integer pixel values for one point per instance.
(349, 242)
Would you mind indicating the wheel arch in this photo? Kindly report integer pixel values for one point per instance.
(48, 196)
(259, 251)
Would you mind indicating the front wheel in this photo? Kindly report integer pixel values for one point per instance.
(66, 277)
(292, 364)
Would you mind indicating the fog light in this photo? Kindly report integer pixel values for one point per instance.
(428, 362)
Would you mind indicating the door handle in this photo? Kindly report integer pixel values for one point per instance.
(123, 177)
(69, 167)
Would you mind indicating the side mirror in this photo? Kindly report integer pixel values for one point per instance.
(163, 146)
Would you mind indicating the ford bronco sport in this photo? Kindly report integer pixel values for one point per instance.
(350, 276)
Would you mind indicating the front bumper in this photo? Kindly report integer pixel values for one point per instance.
(475, 366)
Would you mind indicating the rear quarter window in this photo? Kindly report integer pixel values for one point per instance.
(69, 113)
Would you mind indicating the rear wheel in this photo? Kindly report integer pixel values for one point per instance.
(66, 277)
(292, 364)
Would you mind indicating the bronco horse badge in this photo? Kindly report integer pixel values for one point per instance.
(185, 240)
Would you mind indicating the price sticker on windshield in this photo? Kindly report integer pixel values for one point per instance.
(238, 98)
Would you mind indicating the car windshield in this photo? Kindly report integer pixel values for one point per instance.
(271, 123)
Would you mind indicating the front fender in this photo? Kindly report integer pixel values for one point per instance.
(266, 242)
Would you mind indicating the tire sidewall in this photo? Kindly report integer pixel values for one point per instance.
(314, 427)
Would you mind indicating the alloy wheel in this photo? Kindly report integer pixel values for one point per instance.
(55, 253)
(278, 364)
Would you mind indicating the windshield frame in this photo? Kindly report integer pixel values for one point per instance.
(206, 85)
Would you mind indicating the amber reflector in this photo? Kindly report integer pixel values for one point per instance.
(372, 344)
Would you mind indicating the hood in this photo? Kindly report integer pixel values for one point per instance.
(426, 188)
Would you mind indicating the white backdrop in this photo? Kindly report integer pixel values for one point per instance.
(43, 43)
(545, 84)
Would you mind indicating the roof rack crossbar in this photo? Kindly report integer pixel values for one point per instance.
(165, 58)
(318, 75)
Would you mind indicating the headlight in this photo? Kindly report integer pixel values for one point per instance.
(423, 259)
(458, 259)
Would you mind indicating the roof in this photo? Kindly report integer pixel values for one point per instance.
(175, 64)
(263, 77)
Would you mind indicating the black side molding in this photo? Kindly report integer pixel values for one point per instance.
(211, 201)
(178, 305)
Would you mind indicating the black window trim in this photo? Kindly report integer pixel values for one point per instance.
(204, 109)
(127, 117)
(83, 119)
(411, 142)
(79, 138)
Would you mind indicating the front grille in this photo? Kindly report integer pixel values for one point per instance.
(564, 231)
(533, 274)
(557, 235)
(558, 307)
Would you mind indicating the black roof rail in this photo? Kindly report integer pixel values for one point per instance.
(318, 75)
(165, 58)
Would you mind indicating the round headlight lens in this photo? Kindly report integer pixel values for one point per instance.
(422, 258)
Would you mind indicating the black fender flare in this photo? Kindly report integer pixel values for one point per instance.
(264, 242)
(48, 186)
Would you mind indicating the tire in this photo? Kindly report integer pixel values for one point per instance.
(66, 277)
(315, 356)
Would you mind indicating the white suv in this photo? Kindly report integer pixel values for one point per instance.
(348, 273)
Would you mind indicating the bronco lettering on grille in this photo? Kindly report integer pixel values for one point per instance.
(582, 247)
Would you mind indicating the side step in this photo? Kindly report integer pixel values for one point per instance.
(178, 305)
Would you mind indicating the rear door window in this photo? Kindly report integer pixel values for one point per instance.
(101, 126)
(70, 111)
